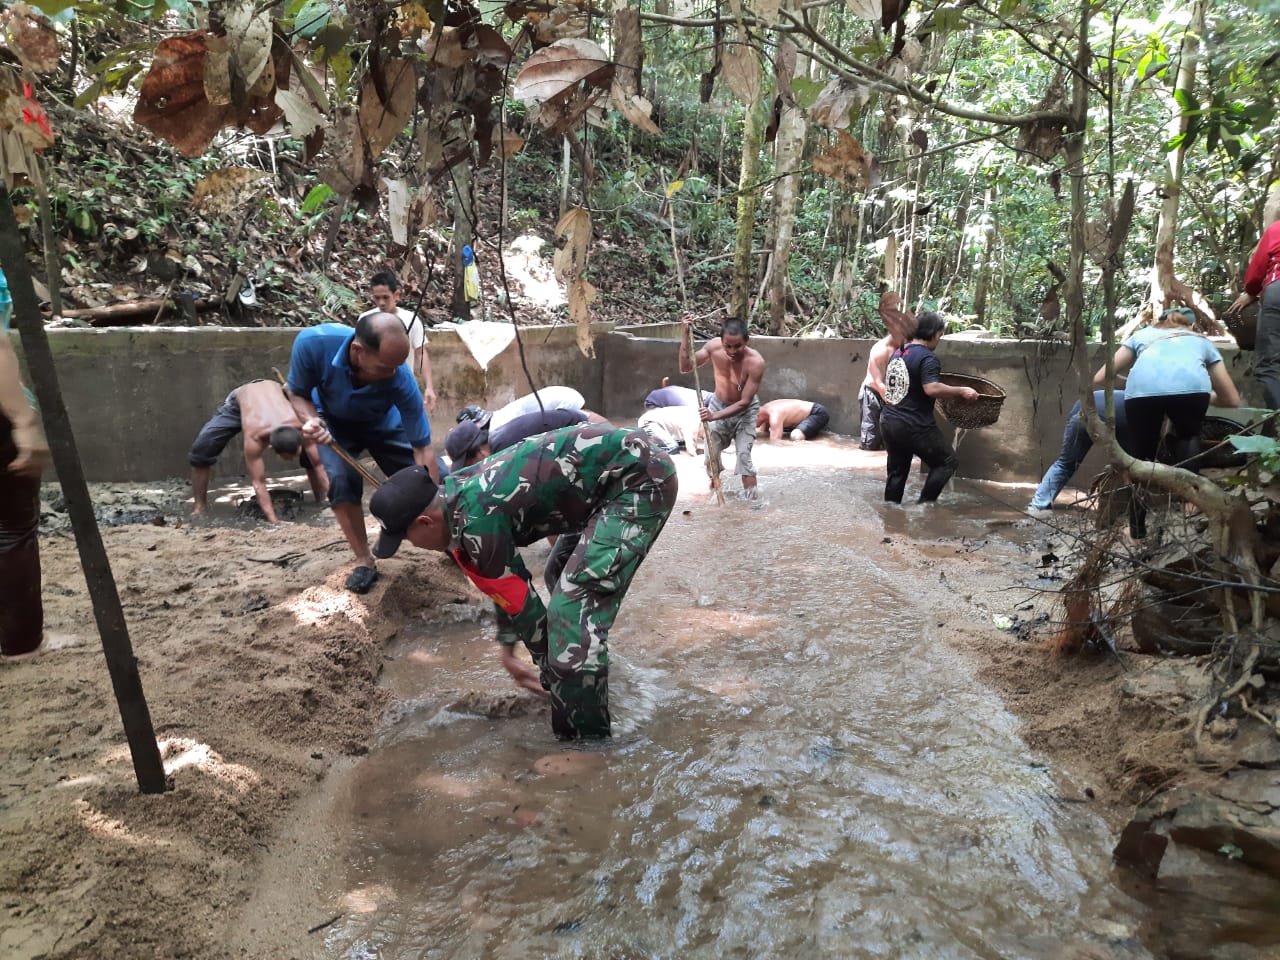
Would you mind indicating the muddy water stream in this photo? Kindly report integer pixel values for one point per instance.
(800, 767)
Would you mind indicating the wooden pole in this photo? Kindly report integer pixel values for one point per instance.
(121, 663)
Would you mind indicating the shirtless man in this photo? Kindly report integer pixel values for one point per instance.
(901, 327)
(800, 419)
(731, 413)
(263, 412)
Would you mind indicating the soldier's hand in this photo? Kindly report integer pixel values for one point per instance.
(523, 674)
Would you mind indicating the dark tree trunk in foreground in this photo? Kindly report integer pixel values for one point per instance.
(121, 663)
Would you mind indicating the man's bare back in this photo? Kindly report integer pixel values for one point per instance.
(779, 416)
(264, 406)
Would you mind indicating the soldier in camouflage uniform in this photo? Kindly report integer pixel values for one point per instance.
(609, 484)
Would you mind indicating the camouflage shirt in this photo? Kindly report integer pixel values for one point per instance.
(547, 484)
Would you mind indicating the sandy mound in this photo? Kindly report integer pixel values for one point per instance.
(258, 669)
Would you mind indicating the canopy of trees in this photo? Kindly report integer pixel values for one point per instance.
(817, 153)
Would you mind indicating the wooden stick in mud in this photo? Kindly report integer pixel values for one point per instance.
(708, 438)
(333, 444)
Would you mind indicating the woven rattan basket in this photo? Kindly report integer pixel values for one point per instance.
(1243, 325)
(968, 414)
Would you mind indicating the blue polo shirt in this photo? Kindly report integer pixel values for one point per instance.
(320, 368)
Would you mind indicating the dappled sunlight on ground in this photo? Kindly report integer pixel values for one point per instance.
(181, 752)
(318, 604)
(99, 824)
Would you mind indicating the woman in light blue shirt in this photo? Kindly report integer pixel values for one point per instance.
(1173, 372)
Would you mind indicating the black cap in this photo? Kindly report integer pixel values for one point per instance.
(475, 413)
(397, 503)
(463, 440)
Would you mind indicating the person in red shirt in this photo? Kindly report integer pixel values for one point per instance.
(1260, 283)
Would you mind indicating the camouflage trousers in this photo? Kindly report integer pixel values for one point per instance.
(589, 592)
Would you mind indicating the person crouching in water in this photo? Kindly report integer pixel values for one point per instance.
(907, 421)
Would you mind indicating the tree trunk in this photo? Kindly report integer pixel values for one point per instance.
(1162, 276)
(464, 214)
(787, 149)
(982, 282)
(122, 665)
(748, 198)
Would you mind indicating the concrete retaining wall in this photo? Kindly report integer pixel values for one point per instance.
(137, 397)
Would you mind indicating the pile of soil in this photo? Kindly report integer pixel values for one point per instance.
(260, 671)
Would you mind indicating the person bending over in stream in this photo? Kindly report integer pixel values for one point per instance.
(910, 429)
(262, 410)
(730, 414)
(353, 388)
(610, 484)
(798, 419)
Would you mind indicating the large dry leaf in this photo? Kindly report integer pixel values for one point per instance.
(508, 142)
(892, 11)
(172, 102)
(558, 116)
(224, 190)
(424, 209)
(249, 40)
(488, 45)
(29, 35)
(581, 293)
(835, 105)
(381, 122)
(1097, 237)
(866, 9)
(446, 50)
(554, 72)
(300, 113)
(346, 170)
(637, 110)
(217, 71)
(628, 51)
(570, 258)
(740, 67)
(398, 210)
(898, 320)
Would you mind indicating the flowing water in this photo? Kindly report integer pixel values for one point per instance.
(800, 767)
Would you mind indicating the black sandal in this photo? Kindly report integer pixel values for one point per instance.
(361, 579)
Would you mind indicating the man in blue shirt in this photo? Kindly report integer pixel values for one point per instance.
(353, 388)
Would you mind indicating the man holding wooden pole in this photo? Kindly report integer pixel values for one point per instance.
(354, 392)
(730, 414)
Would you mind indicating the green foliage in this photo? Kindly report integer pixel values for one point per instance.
(1266, 449)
